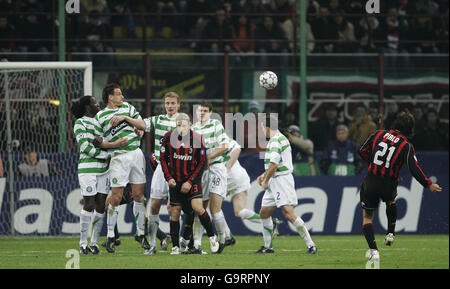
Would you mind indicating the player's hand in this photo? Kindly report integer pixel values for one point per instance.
(121, 142)
(117, 119)
(265, 185)
(172, 183)
(186, 187)
(139, 132)
(435, 188)
(260, 179)
(97, 141)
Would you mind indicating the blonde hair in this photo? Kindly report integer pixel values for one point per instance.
(172, 94)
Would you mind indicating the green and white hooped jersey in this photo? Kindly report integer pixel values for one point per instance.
(160, 124)
(92, 160)
(124, 129)
(213, 134)
(278, 151)
(233, 145)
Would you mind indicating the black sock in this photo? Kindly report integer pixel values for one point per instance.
(391, 213)
(175, 233)
(370, 238)
(187, 234)
(206, 223)
(116, 232)
(160, 234)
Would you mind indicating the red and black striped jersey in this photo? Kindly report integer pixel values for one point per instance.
(386, 151)
(183, 158)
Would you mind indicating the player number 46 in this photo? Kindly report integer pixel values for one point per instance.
(382, 152)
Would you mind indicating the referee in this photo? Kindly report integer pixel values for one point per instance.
(183, 158)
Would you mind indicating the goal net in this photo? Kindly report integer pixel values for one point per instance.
(37, 145)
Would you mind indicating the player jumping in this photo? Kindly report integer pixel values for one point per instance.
(386, 151)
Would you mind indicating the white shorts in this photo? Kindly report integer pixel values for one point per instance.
(127, 168)
(238, 180)
(91, 184)
(214, 181)
(159, 188)
(281, 192)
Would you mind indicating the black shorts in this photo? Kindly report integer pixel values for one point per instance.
(177, 198)
(375, 188)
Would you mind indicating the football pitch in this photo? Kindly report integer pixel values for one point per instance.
(334, 252)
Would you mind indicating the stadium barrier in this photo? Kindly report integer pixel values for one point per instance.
(329, 205)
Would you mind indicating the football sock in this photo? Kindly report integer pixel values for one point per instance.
(206, 224)
(198, 230)
(175, 232)
(97, 225)
(267, 231)
(187, 233)
(116, 232)
(221, 224)
(391, 213)
(370, 238)
(160, 234)
(111, 220)
(303, 231)
(250, 215)
(153, 224)
(139, 214)
(85, 221)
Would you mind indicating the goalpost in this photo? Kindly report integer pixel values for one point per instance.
(35, 98)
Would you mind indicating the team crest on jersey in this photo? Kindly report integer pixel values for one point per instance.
(163, 149)
(114, 180)
(202, 152)
(89, 189)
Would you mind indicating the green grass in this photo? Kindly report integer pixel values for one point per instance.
(334, 252)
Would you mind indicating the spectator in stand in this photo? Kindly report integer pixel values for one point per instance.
(391, 112)
(196, 23)
(288, 27)
(35, 167)
(435, 134)
(252, 8)
(323, 130)
(341, 157)
(420, 123)
(220, 30)
(374, 114)
(442, 32)
(94, 31)
(243, 30)
(281, 7)
(7, 31)
(365, 31)
(426, 7)
(166, 25)
(100, 7)
(326, 31)
(346, 32)
(125, 21)
(34, 26)
(392, 31)
(276, 43)
(302, 153)
(354, 7)
(362, 126)
(312, 10)
(333, 7)
(423, 32)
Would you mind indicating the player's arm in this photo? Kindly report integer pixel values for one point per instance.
(364, 149)
(269, 173)
(85, 144)
(274, 158)
(417, 172)
(233, 158)
(200, 155)
(164, 158)
(136, 122)
(222, 140)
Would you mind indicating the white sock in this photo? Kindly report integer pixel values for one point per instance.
(197, 232)
(85, 221)
(111, 220)
(97, 225)
(221, 225)
(246, 214)
(153, 224)
(303, 231)
(139, 215)
(267, 231)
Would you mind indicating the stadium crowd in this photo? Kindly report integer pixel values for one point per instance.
(239, 26)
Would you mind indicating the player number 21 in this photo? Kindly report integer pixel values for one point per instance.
(381, 153)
